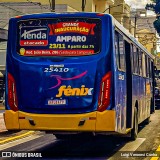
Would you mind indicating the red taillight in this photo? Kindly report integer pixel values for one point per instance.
(18, 16)
(104, 96)
(12, 94)
(100, 14)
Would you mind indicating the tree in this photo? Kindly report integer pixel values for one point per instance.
(155, 7)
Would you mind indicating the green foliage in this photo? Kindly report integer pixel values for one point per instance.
(150, 7)
(155, 1)
(155, 6)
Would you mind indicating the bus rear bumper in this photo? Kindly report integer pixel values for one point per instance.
(92, 122)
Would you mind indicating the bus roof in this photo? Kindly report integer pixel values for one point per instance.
(130, 36)
(115, 23)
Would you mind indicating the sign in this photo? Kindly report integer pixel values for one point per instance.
(59, 37)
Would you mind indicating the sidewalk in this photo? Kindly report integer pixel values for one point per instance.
(2, 124)
(1, 107)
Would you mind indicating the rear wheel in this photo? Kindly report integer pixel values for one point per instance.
(152, 107)
(62, 136)
(147, 121)
(134, 131)
(79, 136)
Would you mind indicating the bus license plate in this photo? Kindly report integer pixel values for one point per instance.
(57, 102)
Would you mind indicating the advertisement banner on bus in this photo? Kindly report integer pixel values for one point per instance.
(59, 37)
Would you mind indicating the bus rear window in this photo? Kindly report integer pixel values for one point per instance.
(59, 37)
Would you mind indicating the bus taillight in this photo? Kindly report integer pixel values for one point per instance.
(12, 94)
(104, 97)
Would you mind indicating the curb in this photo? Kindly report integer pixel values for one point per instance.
(16, 137)
(2, 107)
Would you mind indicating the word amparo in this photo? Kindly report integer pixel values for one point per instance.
(71, 39)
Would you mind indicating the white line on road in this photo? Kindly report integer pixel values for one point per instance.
(128, 147)
(133, 145)
(20, 141)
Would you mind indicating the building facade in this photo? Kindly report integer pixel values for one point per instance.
(144, 30)
(89, 5)
(121, 12)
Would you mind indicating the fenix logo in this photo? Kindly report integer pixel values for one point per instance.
(33, 34)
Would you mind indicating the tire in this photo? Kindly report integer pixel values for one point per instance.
(147, 121)
(62, 136)
(152, 107)
(134, 131)
(80, 136)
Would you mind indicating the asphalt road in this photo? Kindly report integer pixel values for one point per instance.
(98, 147)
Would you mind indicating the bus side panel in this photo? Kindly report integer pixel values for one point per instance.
(141, 102)
(120, 101)
(142, 115)
(106, 120)
(138, 95)
(148, 98)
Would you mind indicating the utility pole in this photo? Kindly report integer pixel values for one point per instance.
(53, 6)
(135, 23)
(83, 5)
(136, 16)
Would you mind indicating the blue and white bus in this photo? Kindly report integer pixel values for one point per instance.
(76, 72)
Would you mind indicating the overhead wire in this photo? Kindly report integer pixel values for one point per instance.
(112, 7)
(2, 4)
(37, 3)
(50, 5)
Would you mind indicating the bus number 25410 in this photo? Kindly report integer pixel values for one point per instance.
(56, 69)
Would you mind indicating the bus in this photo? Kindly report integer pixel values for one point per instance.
(71, 73)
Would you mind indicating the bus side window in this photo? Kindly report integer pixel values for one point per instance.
(150, 68)
(143, 65)
(147, 66)
(134, 59)
(122, 53)
(117, 50)
(140, 62)
(137, 56)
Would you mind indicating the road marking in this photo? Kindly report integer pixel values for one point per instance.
(156, 158)
(133, 145)
(19, 141)
(16, 137)
(128, 148)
